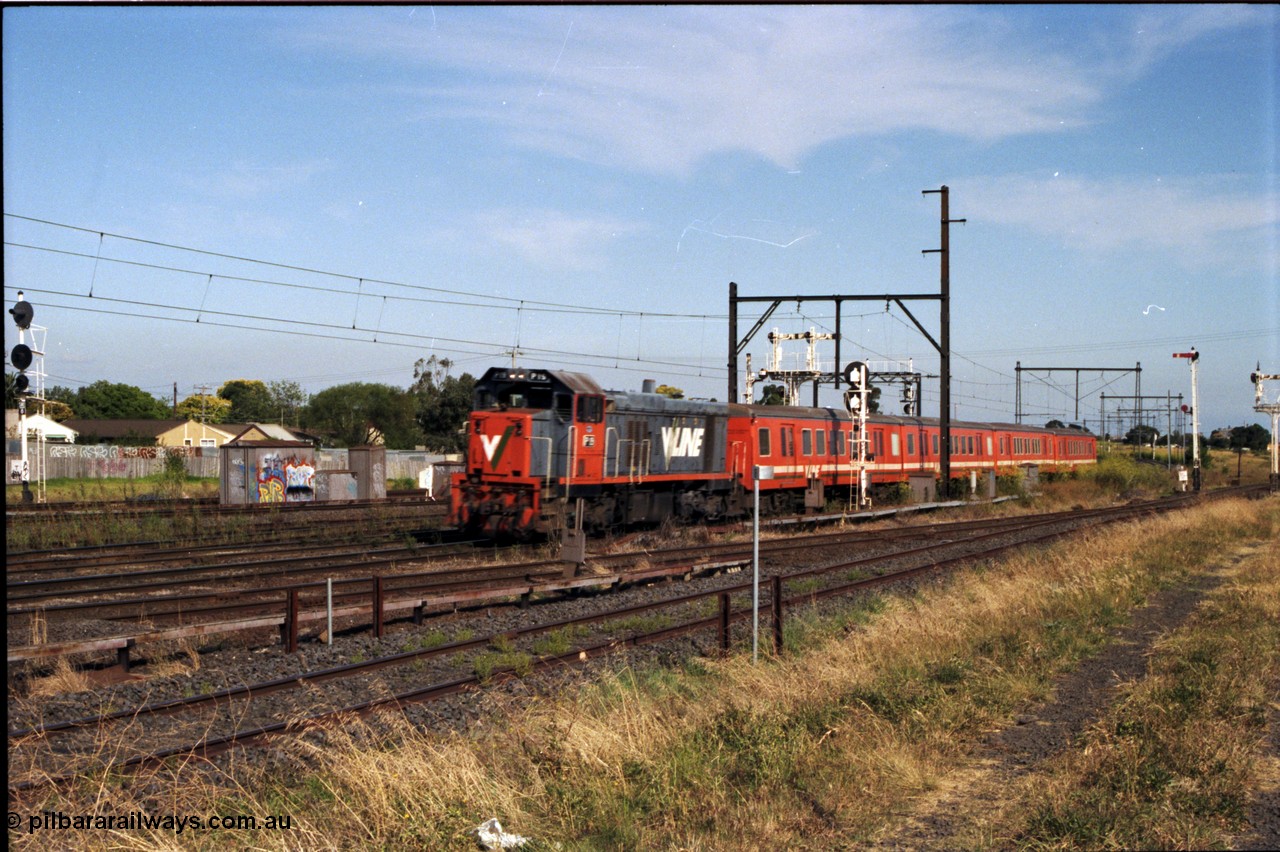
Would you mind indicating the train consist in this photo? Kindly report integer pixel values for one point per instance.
(549, 449)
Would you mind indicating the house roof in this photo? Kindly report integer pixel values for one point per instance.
(37, 423)
(122, 428)
(273, 431)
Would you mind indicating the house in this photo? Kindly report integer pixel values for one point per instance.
(38, 426)
(174, 433)
(138, 432)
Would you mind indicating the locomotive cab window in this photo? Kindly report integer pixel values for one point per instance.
(590, 409)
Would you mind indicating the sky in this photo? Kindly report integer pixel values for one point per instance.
(328, 194)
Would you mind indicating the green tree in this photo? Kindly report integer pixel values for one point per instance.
(10, 390)
(250, 401)
(669, 391)
(1251, 437)
(364, 413)
(774, 395)
(442, 404)
(105, 400)
(1141, 434)
(287, 398)
(55, 410)
(204, 408)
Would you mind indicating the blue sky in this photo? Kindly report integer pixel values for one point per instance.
(327, 194)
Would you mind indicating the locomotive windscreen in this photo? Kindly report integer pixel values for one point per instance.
(510, 389)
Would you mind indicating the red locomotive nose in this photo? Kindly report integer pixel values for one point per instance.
(499, 445)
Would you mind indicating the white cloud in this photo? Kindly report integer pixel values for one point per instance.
(657, 90)
(552, 239)
(244, 180)
(1202, 222)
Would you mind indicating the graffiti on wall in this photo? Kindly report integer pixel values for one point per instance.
(285, 480)
(106, 451)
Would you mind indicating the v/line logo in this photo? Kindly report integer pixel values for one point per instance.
(495, 445)
(682, 442)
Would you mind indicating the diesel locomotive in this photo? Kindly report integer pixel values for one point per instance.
(550, 450)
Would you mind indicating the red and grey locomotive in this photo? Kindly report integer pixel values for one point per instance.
(545, 446)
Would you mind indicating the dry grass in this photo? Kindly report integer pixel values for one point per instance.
(64, 679)
(825, 747)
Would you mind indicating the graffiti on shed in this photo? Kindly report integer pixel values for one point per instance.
(285, 479)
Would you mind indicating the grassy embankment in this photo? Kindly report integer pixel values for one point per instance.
(833, 744)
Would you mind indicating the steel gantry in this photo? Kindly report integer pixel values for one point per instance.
(1019, 370)
(942, 344)
(1260, 404)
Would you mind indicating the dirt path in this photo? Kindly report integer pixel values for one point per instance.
(966, 810)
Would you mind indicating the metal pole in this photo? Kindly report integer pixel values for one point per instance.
(755, 570)
(329, 608)
(733, 342)
(944, 338)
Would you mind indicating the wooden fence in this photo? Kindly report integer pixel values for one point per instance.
(95, 461)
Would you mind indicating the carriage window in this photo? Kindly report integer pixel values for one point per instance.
(821, 438)
(764, 441)
(894, 446)
(590, 409)
(911, 444)
(935, 444)
(989, 445)
(837, 437)
(806, 442)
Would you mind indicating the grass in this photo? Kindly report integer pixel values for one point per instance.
(869, 713)
(1172, 763)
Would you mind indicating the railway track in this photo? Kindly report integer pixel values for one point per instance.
(254, 698)
(43, 531)
(196, 593)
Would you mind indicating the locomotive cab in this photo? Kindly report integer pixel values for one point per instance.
(533, 435)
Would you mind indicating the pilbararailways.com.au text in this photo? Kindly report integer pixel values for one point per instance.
(139, 821)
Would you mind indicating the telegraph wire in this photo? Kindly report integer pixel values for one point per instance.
(415, 340)
(514, 301)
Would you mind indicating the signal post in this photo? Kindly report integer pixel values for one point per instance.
(21, 357)
(1193, 356)
(1260, 404)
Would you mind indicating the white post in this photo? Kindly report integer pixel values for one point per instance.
(755, 569)
(1195, 427)
(758, 472)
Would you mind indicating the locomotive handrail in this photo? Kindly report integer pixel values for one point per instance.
(616, 459)
(551, 452)
(630, 465)
(573, 451)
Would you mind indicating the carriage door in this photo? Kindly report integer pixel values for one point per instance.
(589, 439)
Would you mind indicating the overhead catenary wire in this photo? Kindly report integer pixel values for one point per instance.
(413, 340)
(511, 302)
